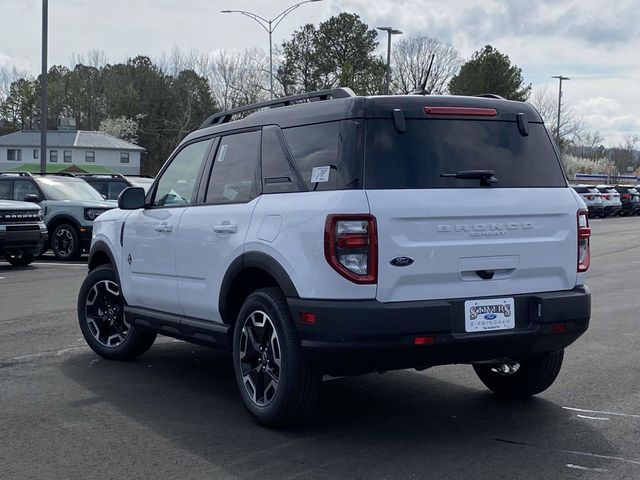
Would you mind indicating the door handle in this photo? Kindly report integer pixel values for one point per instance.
(226, 228)
(163, 228)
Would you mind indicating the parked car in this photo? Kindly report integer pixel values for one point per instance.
(22, 232)
(144, 181)
(339, 235)
(592, 199)
(68, 203)
(610, 199)
(630, 199)
(108, 185)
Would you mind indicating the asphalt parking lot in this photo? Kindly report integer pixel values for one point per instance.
(175, 413)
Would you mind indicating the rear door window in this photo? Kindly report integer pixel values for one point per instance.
(234, 176)
(416, 159)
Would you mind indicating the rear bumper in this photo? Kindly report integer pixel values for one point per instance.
(630, 207)
(612, 209)
(30, 240)
(595, 210)
(352, 337)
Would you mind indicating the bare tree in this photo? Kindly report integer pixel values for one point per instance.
(177, 61)
(571, 125)
(8, 75)
(95, 58)
(589, 145)
(410, 61)
(625, 155)
(239, 78)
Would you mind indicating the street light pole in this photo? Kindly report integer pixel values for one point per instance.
(270, 26)
(390, 31)
(561, 78)
(43, 88)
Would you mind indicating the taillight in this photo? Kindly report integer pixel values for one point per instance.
(606, 197)
(626, 196)
(584, 236)
(589, 197)
(351, 247)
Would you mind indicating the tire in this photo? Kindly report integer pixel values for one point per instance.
(102, 321)
(20, 260)
(265, 330)
(534, 375)
(65, 242)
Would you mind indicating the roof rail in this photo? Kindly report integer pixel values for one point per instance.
(108, 175)
(227, 116)
(17, 174)
(491, 95)
(57, 174)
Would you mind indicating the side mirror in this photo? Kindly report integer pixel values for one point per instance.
(131, 198)
(32, 198)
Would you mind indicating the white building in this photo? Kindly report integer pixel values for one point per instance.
(93, 152)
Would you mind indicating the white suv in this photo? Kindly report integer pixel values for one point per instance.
(340, 235)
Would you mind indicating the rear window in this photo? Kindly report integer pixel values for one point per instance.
(429, 148)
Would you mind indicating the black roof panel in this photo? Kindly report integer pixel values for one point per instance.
(367, 107)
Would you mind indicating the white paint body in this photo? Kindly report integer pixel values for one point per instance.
(179, 268)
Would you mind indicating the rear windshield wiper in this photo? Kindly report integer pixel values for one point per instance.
(486, 177)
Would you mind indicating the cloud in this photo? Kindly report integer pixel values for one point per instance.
(596, 42)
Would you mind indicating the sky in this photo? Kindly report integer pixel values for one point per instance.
(595, 42)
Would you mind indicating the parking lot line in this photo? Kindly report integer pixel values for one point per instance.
(602, 413)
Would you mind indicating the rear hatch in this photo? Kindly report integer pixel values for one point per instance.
(467, 239)
(595, 196)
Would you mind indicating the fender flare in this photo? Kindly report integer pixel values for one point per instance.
(62, 218)
(259, 260)
(101, 247)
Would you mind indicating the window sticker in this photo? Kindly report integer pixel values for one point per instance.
(320, 174)
(223, 152)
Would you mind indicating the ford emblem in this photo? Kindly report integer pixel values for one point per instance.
(401, 261)
(490, 316)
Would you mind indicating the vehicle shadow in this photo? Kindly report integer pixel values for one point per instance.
(374, 426)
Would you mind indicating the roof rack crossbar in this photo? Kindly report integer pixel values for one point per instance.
(227, 116)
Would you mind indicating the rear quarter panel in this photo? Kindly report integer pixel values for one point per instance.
(290, 228)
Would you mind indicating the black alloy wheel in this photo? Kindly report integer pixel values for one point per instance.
(65, 242)
(104, 325)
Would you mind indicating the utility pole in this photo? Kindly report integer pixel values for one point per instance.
(561, 78)
(390, 31)
(43, 88)
(270, 26)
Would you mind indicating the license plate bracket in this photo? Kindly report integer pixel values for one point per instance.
(488, 315)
